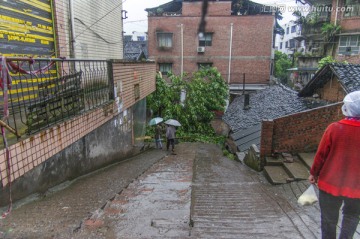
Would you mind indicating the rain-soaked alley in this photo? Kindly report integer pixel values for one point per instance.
(197, 193)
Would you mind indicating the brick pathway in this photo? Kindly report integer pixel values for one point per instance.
(225, 200)
(197, 193)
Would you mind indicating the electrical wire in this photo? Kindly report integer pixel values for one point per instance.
(117, 6)
(96, 34)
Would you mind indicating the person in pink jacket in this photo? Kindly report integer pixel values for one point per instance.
(336, 170)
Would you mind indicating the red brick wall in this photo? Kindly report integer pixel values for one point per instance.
(350, 59)
(332, 91)
(251, 49)
(300, 132)
(214, 8)
(267, 128)
(348, 25)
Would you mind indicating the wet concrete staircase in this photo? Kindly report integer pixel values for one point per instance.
(287, 168)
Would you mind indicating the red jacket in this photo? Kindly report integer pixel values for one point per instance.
(337, 160)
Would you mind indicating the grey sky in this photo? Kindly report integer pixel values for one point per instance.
(137, 16)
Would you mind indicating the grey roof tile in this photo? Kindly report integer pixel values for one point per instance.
(348, 76)
(273, 102)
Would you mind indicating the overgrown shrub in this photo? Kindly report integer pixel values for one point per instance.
(206, 92)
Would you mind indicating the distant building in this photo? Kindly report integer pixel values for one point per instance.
(304, 71)
(136, 36)
(343, 45)
(237, 39)
(348, 42)
(291, 41)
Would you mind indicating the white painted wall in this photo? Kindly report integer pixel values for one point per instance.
(98, 29)
(289, 35)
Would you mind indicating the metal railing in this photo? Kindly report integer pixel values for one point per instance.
(43, 92)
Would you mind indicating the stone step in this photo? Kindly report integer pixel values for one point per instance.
(297, 169)
(240, 156)
(307, 158)
(272, 161)
(276, 174)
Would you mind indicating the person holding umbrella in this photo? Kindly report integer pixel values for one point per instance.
(158, 133)
(170, 133)
(170, 137)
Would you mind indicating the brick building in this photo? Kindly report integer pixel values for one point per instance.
(348, 17)
(237, 39)
(345, 46)
(332, 82)
(66, 117)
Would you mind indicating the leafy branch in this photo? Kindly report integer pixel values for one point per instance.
(206, 92)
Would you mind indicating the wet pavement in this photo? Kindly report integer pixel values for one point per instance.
(197, 193)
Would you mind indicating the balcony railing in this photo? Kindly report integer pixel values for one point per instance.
(38, 93)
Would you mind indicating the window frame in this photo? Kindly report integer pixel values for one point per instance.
(293, 29)
(355, 6)
(168, 65)
(206, 39)
(164, 39)
(204, 64)
(292, 43)
(347, 42)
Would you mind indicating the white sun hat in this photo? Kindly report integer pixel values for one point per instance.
(351, 107)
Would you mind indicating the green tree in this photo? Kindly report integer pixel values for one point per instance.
(206, 92)
(282, 63)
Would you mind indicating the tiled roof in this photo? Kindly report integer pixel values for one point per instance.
(175, 6)
(347, 74)
(134, 50)
(270, 103)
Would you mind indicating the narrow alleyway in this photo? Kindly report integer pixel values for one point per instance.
(197, 193)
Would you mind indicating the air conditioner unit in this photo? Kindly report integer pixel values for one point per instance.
(201, 49)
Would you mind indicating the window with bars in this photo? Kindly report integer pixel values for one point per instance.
(205, 39)
(204, 65)
(165, 68)
(293, 29)
(349, 45)
(291, 43)
(352, 8)
(164, 39)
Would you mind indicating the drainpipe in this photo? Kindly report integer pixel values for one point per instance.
(183, 91)
(182, 49)
(72, 23)
(336, 12)
(231, 39)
